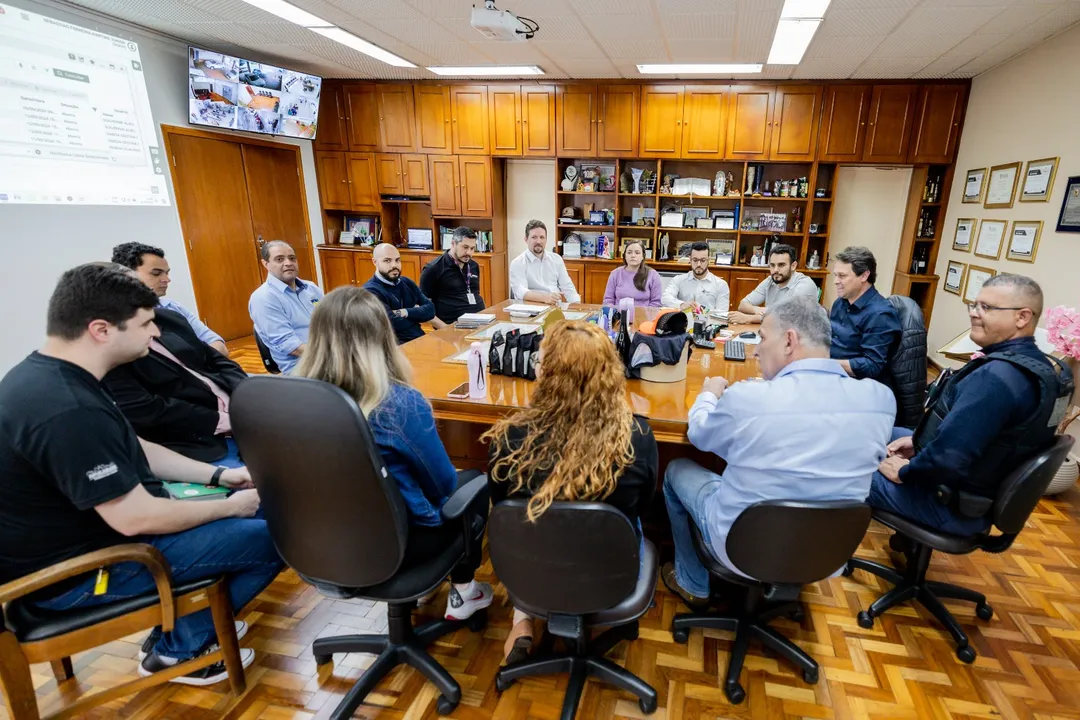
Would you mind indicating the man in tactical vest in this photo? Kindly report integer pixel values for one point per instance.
(980, 422)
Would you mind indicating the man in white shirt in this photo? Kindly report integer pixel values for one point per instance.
(783, 284)
(699, 288)
(537, 275)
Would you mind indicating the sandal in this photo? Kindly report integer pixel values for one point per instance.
(519, 642)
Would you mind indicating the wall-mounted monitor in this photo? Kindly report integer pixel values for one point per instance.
(240, 94)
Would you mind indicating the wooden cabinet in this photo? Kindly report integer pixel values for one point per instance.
(433, 119)
(704, 122)
(537, 120)
(661, 121)
(363, 186)
(937, 123)
(445, 185)
(750, 112)
(576, 270)
(397, 119)
(337, 268)
(888, 129)
(410, 266)
(741, 284)
(504, 119)
(388, 174)
(617, 121)
(596, 277)
(469, 120)
(363, 117)
(484, 264)
(843, 123)
(575, 120)
(333, 173)
(796, 111)
(475, 174)
(363, 266)
(414, 176)
(332, 127)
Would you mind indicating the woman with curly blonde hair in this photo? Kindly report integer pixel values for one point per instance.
(579, 440)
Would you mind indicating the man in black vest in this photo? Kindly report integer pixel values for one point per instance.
(981, 422)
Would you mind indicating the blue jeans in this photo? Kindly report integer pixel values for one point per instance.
(232, 455)
(917, 502)
(687, 489)
(238, 548)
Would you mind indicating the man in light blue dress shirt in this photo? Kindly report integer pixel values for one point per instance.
(153, 269)
(809, 433)
(281, 307)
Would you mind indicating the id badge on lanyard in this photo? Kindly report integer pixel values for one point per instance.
(470, 297)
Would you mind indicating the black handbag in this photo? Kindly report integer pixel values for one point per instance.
(528, 346)
(495, 353)
(510, 353)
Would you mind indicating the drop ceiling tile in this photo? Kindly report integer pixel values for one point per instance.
(878, 4)
(855, 48)
(922, 45)
(976, 45)
(861, 21)
(453, 52)
(721, 50)
(1057, 20)
(1017, 17)
(559, 28)
(640, 8)
(363, 8)
(618, 27)
(705, 26)
(943, 66)
(573, 50)
(591, 69)
(899, 67)
(827, 68)
(508, 53)
(754, 35)
(636, 50)
(701, 7)
(929, 18)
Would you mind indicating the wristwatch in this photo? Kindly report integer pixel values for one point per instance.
(216, 479)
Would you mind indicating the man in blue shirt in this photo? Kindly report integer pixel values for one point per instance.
(404, 301)
(150, 266)
(281, 307)
(769, 433)
(865, 326)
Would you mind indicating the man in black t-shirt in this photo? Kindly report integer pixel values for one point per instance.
(75, 478)
(453, 281)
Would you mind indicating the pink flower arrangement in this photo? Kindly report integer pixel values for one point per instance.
(1063, 330)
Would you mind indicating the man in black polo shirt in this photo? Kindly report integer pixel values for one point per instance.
(453, 281)
(75, 478)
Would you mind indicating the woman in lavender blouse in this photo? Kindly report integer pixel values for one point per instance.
(634, 279)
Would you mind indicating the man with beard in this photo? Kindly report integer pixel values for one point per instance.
(698, 288)
(453, 281)
(783, 284)
(281, 307)
(406, 304)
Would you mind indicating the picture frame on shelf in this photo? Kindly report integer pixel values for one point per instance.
(692, 214)
(1001, 186)
(989, 240)
(704, 223)
(1038, 180)
(974, 186)
(365, 229)
(672, 220)
(955, 275)
(965, 230)
(772, 222)
(1024, 240)
(973, 283)
(1069, 217)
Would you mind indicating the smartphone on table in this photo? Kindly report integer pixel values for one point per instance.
(461, 392)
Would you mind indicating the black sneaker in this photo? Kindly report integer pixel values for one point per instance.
(155, 635)
(695, 603)
(208, 675)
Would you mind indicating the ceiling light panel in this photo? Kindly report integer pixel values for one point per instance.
(700, 69)
(791, 40)
(486, 70)
(356, 43)
(288, 11)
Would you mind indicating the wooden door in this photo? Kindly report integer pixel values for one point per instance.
(433, 119)
(575, 120)
(445, 190)
(388, 174)
(661, 121)
(331, 130)
(333, 174)
(538, 120)
(363, 187)
(363, 266)
(396, 118)
(888, 130)
(618, 118)
(596, 277)
(741, 284)
(363, 117)
(937, 123)
(843, 122)
(484, 266)
(796, 111)
(475, 174)
(410, 266)
(576, 270)
(704, 122)
(504, 119)
(221, 244)
(337, 268)
(278, 204)
(750, 112)
(414, 175)
(469, 120)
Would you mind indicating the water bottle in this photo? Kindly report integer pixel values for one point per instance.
(626, 306)
(477, 376)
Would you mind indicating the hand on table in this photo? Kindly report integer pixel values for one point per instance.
(736, 317)
(552, 298)
(715, 385)
(890, 468)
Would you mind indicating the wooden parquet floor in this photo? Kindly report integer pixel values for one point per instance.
(1028, 662)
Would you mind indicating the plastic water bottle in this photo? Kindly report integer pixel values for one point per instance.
(477, 371)
(626, 305)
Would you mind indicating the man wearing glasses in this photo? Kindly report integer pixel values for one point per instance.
(981, 422)
(698, 288)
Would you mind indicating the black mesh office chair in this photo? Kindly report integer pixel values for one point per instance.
(337, 518)
(267, 359)
(785, 544)
(579, 567)
(1016, 500)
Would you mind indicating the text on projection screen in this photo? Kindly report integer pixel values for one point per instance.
(75, 123)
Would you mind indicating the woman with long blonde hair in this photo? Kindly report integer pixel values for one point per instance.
(351, 344)
(579, 440)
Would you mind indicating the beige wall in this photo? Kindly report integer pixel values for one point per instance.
(530, 193)
(1028, 108)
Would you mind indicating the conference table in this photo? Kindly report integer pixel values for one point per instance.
(460, 422)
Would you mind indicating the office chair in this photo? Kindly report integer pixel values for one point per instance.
(267, 359)
(785, 544)
(341, 523)
(579, 566)
(907, 364)
(1016, 500)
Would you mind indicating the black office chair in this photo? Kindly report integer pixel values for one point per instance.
(337, 518)
(267, 359)
(579, 567)
(907, 364)
(785, 544)
(1016, 500)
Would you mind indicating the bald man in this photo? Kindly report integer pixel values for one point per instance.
(405, 303)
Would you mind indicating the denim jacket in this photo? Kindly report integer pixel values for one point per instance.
(404, 430)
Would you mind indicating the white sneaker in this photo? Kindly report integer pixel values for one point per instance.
(155, 635)
(209, 675)
(459, 608)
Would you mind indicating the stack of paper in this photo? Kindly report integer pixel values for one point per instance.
(482, 318)
(526, 309)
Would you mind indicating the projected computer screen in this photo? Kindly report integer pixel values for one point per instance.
(75, 123)
(231, 92)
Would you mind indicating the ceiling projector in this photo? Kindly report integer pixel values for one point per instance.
(502, 25)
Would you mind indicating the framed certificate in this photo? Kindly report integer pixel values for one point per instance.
(974, 184)
(1069, 219)
(976, 276)
(1001, 187)
(1024, 240)
(1038, 180)
(991, 233)
(954, 277)
(965, 228)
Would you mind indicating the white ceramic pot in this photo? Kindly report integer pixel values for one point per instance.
(1065, 477)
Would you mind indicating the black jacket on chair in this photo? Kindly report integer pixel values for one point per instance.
(168, 405)
(907, 365)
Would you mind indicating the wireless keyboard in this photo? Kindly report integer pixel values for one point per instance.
(734, 350)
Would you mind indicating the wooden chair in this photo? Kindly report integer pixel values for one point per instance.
(33, 635)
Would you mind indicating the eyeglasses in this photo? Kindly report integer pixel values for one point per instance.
(982, 308)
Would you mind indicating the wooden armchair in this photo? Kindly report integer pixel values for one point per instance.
(33, 635)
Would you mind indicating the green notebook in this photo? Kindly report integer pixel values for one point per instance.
(194, 491)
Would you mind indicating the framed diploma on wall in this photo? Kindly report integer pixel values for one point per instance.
(1024, 240)
(976, 276)
(1069, 219)
(1001, 187)
(954, 277)
(1038, 180)
(965, 228)
(988, 243)
(974, 184)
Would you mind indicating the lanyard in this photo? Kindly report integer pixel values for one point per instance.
(467, 272)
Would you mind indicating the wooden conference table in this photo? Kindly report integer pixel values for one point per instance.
(666, 405)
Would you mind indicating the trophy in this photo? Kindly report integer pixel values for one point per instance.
(732, 191)
(665, 242)
(751, 172)
(636, 173)
(796, 218)
(625, 183)
(776, 188)
(720, 184)
(570, 178)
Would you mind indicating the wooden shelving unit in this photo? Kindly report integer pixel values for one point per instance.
(927, 204)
